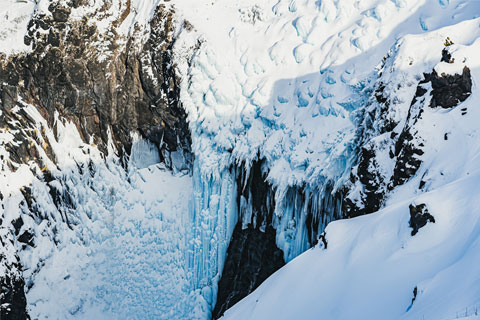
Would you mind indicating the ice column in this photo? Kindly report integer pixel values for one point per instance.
(212, 217)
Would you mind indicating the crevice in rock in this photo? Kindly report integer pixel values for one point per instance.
(252, 254)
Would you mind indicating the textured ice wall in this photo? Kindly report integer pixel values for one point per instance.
(212, 218)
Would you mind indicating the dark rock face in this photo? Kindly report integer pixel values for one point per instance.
(373, 191)
(446, 56)
(13, 303)
(404, 149)
(125, 89)
(408, 146)
(252, 254)
(449, 90)
(372, 121)
(377, 133)
(419, 216)
(251, 258)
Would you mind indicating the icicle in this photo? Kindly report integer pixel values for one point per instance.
(213, 217)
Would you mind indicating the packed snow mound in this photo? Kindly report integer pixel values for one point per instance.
(97, 242)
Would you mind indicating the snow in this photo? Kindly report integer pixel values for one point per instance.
(278, 85)
(285, 86)
(16, 14)
(14, 18)
(117, 247)
(143, 154)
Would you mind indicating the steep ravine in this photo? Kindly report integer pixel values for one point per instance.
(133, 87)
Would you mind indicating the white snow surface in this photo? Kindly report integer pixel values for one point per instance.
(120, 250)
(14, 18)
(372, 265)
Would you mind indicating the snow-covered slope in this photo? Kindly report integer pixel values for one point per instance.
(280, 81)
(373, 265)
(293, 83)
(100, 238)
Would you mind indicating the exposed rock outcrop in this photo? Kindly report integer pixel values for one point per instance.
(398, 141)
(255, 251)
(13, 303)
(449, 90)
(101, 82)
(419, 216)
(251, 258)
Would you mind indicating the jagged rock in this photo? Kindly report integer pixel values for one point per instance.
(404, 145)
(446, 56)
(323, 238)
(133, 89)
(12, 299)
(408, 159)
(251, 258)
(419, 216)
(449, 90)
(13, 302)
(119, 86)
(60, 14)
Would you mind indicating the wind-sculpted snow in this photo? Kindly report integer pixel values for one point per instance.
(249, 95)
(304, 85)
(283, 81)
(373, 265)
